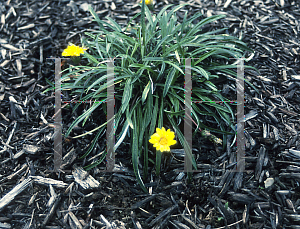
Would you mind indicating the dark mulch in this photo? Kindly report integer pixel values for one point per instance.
(32, 31)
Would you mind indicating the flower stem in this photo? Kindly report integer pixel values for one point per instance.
(158, 161)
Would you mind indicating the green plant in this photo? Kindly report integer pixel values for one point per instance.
(226, 205)
(220, 218)
(149, 76)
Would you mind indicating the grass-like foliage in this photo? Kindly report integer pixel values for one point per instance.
(149, 68)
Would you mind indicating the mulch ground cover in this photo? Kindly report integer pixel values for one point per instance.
(266, 195)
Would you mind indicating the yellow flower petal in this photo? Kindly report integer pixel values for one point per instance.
(158, 131)
(171, 135)
(155, 136)
(153, 141)
(173, 142)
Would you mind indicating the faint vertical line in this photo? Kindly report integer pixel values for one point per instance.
(57, 119)
(187, 117)
(240, 159)
(110, 134)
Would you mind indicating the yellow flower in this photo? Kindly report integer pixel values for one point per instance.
(148, 2)
(218, 141)
(162, 139)
(73, 50)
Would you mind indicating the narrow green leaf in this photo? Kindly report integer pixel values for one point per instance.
(98, 47)
(49, 82)
(206, 55)
(175, 113)
(251, 85)
(204, 22)
(140, 123)
(201, 71)
(153, 59)
(161, 72)
(154, 117)
(146, 91)
(149, 16)
(97, 19)
(176, 8)
(210, 85)
(218, 106)
(91, 58)
(183, 25)
(128, 116)
(122, 135)
(177, 56)
(95, 140)
(135, 156)
(145, 172)
(169, 81)
(162, 11)
(81, 117)
(141, 67)
(110, 82)
(161, 114)
(165, 39)
(183, 141)
(108, 45)
(93, 165)
(226, 103)
(126, 95)
(115, 25)
(149, 109)
(163, 25)
(191, 19)
(225, 117)
(221, 67)
(134, 17)
(136, 45)
(175, 66)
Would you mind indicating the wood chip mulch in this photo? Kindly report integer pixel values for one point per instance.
(267, 195)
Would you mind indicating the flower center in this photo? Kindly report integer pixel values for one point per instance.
(163, 141)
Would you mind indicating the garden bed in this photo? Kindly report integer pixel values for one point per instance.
(33, 196)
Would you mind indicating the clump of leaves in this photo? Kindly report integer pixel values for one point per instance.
(149, 74)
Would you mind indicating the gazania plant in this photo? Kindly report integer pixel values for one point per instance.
(149, 66)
